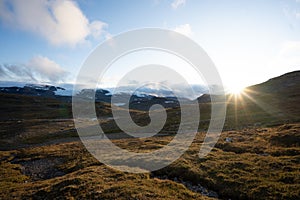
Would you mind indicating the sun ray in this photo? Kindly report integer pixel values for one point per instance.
(241, 102)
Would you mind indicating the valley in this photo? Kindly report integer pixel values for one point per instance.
(256, 157)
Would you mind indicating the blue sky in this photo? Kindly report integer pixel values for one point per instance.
(249, 41)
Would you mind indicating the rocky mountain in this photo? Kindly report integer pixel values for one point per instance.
(279, 93)
(141, 100)
(32, 90)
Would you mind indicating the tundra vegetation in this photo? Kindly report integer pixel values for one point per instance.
(256, 157)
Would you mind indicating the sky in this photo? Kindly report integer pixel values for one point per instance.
(47, 41)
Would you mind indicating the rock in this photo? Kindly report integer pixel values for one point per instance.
(195, 188)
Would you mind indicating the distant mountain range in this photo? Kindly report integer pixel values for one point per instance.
(141, 99)
(32, 90)
(272, 102)
(283, 86)
(67, 90)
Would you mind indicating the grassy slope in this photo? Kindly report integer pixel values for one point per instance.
(262, 161)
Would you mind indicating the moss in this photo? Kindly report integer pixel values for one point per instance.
(257, 170)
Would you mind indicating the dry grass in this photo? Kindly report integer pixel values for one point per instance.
(252, 166)
(42, 157)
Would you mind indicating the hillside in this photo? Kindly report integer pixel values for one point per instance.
(272, 102)
(256, 157)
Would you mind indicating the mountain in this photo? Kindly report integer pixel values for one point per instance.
(256, 157)
(180, 90)
(137, 101)
(140, 100)
(288, 83)
(274, 101)
(32, 90)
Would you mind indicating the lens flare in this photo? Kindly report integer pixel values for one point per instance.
(235, 90)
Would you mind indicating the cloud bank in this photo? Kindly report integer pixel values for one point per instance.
(61, 22)
(37, 69)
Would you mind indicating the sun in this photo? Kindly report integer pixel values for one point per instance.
(236, 90)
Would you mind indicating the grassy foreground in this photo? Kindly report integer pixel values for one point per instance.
(257, 163)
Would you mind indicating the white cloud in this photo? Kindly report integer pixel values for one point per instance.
(176, 3)
(97, 28)
(37, 69)
(16, 73)
(184, 29)
(61, 22)
(46, 69)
